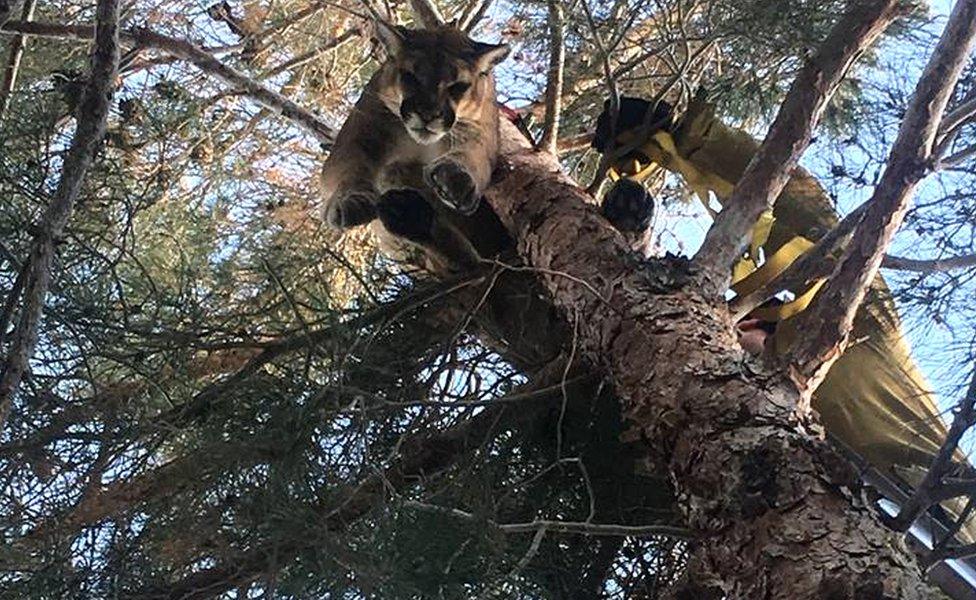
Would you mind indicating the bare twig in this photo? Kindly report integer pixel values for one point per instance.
(937, 265)
(7, 8)
(554, 84)
(829, 321)
(427, 13)
(273, 101)
(312, 54)
(17, 47)
(92, 115)
(789, 136)
(473, 13)
(568, 527)
(927, 492)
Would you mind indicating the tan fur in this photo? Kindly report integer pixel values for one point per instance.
(374, 151)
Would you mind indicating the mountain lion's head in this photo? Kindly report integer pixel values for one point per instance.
(435, 77)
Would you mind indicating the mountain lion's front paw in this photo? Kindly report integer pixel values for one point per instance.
(405, 213)
(453, 186)
(351, 208)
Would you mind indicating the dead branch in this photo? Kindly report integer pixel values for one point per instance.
(788, 138)
(16, 52)
(614, 96)
(91, 122)
(554, 83)
(830, 318)
(565, 527)
(271, 100)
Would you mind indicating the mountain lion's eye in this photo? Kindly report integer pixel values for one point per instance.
(457, 90)
(409, 79)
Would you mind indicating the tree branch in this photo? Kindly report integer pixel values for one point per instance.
(937, 265)
(554, 83)
(17, 46)
(421, 456)
(313, 53)
(473, 13)
(789, 136)
(927, 492)
(569, 527)
(727, 438)
(426, 13)
(814, 264)
(91, 123)
(830, 318)
(203, 60)
(8, 7)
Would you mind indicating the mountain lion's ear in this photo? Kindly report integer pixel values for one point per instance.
(486, 56)
(393, 37)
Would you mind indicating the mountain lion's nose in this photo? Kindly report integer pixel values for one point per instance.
(428, 115)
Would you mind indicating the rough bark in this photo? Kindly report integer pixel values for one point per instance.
(770, 499)
(91, 121)
(767, 174)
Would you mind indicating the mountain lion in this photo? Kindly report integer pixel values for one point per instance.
(426, 127)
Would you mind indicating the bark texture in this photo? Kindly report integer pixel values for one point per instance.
(773, 504)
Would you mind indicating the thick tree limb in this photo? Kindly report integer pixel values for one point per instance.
(750, 472)
(427, 13)
(788, 138)
(554, 83)
(91, 123)
(16, 52)
(830, 318)
(271, 100)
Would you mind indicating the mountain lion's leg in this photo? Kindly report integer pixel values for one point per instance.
(459, 177)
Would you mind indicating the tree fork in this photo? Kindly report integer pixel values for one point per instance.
(770, 500)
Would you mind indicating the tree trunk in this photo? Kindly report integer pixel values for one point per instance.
(773, 504)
